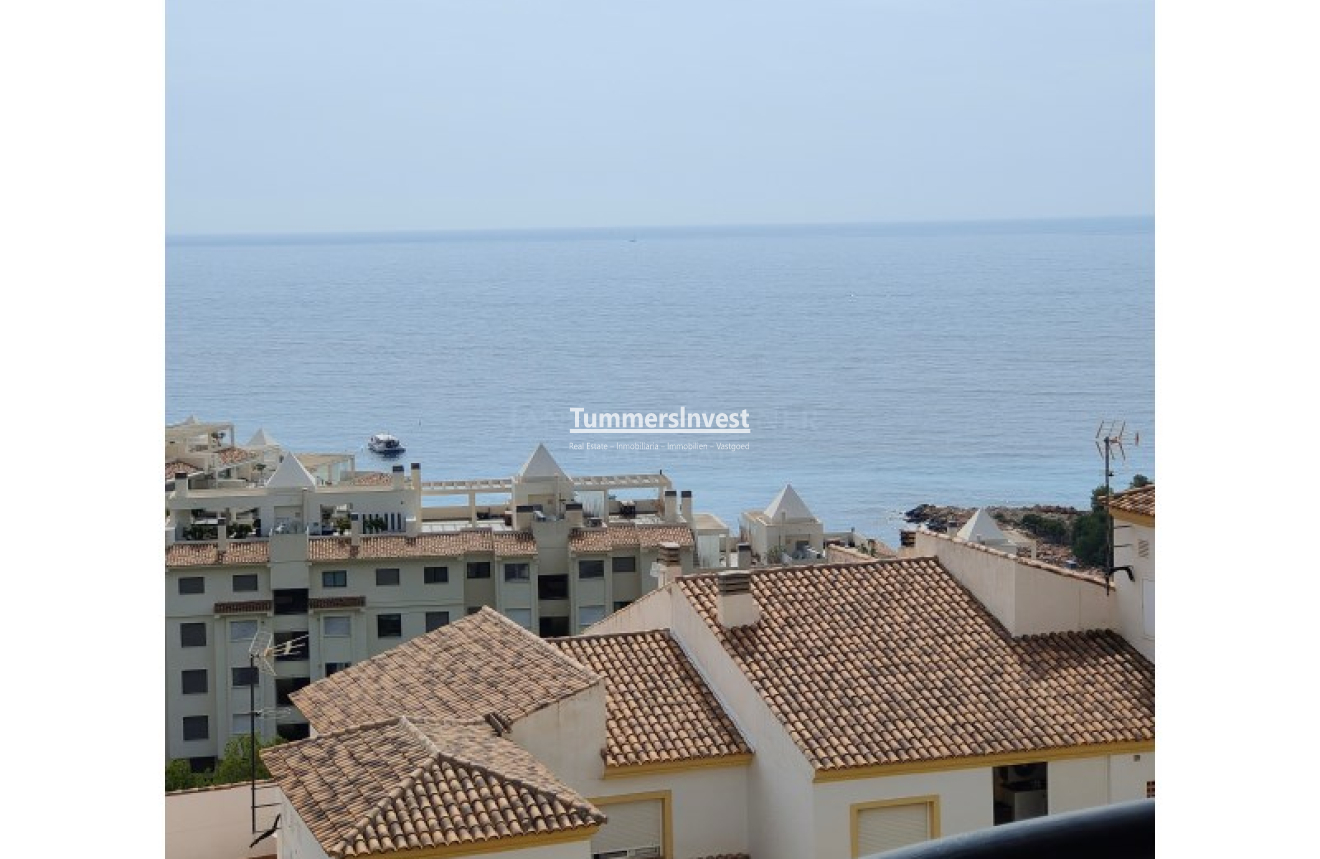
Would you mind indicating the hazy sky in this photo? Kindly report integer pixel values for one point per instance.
(316, 115)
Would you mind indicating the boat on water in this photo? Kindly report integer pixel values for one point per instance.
(385, 444)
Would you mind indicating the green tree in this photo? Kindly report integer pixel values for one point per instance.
(179, 776)
(235, 765)
(1139, 480)
(1090, 538)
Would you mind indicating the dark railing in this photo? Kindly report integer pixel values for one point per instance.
(1122, 831)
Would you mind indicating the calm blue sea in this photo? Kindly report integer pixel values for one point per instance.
(882, 366)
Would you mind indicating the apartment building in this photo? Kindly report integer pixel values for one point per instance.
(341, 572)
(832, 711)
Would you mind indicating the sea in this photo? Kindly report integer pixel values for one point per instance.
(880, 365)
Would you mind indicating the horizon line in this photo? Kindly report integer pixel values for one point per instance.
(474, 231)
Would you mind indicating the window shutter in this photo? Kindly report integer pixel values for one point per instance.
(631, 826)
(891, 827)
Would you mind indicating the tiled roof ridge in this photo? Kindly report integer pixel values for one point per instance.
(376, 813)
(545, 646)
(630, 633)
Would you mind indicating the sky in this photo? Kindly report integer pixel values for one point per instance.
(331, 116)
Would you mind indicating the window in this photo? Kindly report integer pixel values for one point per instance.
(634, 829)
(192, 585)
(552, 587)
(623, 565)
(334, 578)
(335, 667)
(618, 604)
(245, 582)
(192, 635)
(553, 627)
(194, 681)
(517, 572)
(589, 614)
(242, 677)
(1021, 791)
(293, 731)
(196, 728)
(520, 616)
(888, 825)
(337, 626)
(291, 601)
(387, 577)
(389, 626)
(1150, 790)
(242, 630)
(478, 569)
(591, 569)
(436, 619)
(297, 642)
(286, 686)
(435, 575)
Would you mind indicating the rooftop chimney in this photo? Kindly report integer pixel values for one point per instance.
(671, 505)
(522, 517)
(416, 469)
(669, 555)
(744, 556)
(355, 529)
(180, 484)
(686, 496)
(410, 527)
(735, 603)
(573, 513)
(222, 534)
(396, 477)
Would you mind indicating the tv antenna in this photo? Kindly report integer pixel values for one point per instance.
(1110, 441)
(261, 652)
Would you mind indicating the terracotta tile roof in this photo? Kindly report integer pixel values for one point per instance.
(1141, 500)
(628, 537)
(894, 662)
(178, 466)
(449, 544)
(205, 554)
(234, 455)
(482, 663)
(415, 784)
(243, 606)
(336, 602)
(658, 709)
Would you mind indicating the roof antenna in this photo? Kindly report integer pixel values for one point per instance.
(260, 651)
(1109, 441)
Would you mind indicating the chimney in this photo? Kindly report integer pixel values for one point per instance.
(744, 556)
(669, 556)
(573, 513)
(410, 528)
(416, 469)
(671, 505)
(522, 517)
(735, 604)
(396, 477)
(355, 529)
(180, 484)
(222, 535)
(686, 496)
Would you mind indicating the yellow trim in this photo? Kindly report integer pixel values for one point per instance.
(499, 845)
(629, 771)
(666, 798)
(855, 810)
(1134, 518)
(944, 764)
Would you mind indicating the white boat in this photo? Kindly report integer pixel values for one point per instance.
(385, 444)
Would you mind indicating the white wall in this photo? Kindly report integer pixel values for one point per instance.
(1132, 594)
(709, 806)
(216, 823)
(779, 790)
(1128, 775)
(568, 736)
(1026, 597)
(652, 611)
(965, 796)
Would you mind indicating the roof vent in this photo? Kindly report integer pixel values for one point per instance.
(735, 603)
